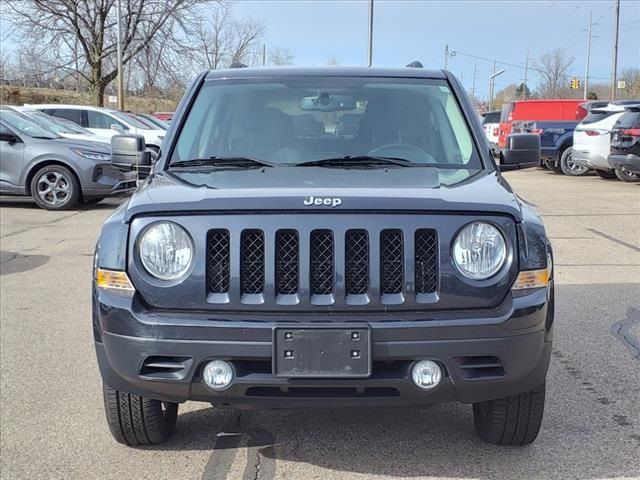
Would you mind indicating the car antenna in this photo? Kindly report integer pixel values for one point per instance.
(415, 64)
(238, 65)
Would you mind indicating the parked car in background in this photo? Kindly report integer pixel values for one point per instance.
(164, 116)
(61, 127)
(556, 139)
(592, 139)
(154, 121)
(625, 146)
(105, 122)
(538, 110)
(57, 172)
(491, 126)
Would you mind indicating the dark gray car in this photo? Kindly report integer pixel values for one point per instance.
(57, 172)
(265, 265)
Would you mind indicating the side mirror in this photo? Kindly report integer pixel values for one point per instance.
(523, 151)
(116, 127)
(8, 137)
(129, 151)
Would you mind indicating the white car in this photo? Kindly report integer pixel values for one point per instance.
(104, 122)
(491, 126)
(592, 139)
(64, 128)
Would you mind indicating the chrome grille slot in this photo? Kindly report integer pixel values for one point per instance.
(391, 262)
(356, 262)
(252, 262)
(218, 261)
(322, 262)
(426, 261)
(287, 261)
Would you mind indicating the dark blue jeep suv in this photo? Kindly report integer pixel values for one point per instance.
(275, 259)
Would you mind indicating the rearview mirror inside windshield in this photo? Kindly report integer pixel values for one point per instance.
(326, 102)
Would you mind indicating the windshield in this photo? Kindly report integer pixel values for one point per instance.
(293, 120)
(130, 120)
(59, 125)
(47, 122)
(26, 126)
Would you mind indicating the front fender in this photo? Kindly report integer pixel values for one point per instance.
(534, 244)
(111, 249)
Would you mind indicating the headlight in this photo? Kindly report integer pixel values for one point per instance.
(92, 155)
(479, 251)
(166, 250)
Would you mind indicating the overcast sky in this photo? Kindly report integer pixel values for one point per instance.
(406, 30)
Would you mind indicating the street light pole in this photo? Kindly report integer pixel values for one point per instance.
(370, 59)
(492, 81)
(615, 52)
(120, 70)
(586, 73)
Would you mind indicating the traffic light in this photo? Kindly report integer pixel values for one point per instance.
(575, 84)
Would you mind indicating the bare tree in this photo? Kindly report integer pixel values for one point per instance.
(220, 40)
(553, 68)
(91, 23)
(281, 56)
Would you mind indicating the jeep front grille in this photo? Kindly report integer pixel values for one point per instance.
(322, 266)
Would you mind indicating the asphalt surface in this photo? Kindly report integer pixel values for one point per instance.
(52, 423)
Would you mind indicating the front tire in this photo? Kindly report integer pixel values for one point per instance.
(569, 167)
(134, 420)
(513, 420)
(55, 188)
(627, 176)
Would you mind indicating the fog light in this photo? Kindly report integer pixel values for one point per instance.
(217, 374)
(426, 374)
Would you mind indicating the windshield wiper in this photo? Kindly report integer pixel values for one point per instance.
(233, 162)
(358, 161)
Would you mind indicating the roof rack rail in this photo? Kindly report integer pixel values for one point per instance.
(414, 64)
(238, 65)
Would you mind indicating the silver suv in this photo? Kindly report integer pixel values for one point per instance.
(57, 172)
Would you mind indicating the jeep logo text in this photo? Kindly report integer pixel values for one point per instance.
(326, 201)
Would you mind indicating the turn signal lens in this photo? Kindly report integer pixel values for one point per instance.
(531, 279)
(114, 280)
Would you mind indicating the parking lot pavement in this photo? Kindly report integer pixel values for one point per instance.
(52, 423)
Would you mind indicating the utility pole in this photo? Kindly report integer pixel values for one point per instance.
(586, 72)
(370, 61)
(526, 71)
(264, 54)
(615, 52)
(119, 54)
(446, 56)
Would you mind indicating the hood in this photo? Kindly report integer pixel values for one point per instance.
(290, 188)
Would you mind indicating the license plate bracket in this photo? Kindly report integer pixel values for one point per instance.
(322, 352)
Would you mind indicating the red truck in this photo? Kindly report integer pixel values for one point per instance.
(537, 110)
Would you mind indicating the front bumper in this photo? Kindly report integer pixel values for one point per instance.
(128, 337)
(589, 159)
(629, 162)
(107, 180)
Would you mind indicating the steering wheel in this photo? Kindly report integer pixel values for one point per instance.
(407, 151)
